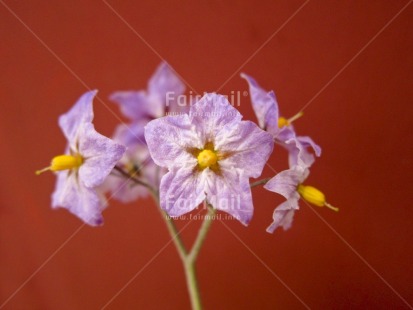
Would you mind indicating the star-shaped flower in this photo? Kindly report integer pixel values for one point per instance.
(289, 183)
(210, 154)
(88, 160)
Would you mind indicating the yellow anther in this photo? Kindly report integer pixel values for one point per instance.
(314, 196)
(207, 158)
(63, 162)
(282, 121)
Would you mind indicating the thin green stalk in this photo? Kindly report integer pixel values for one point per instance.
(192, 285)
(173, 231)
(259, 182)
(202, 233)
(188, 259)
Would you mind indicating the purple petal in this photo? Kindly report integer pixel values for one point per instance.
(283, 134)
(247, 146)
(123, 190)
(100, 155)
(212, 114)
(164, 81)
(230, 192)
(137, 105)
(81, 201)
(130, 134)
(81, 112)
(126, 190)
(285, 183)
(264, 104)
(283, 215)
(181, 190)
(169, 140)
(298, 151)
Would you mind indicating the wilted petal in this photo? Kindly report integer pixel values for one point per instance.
(299, 153)
(100, 155)
(264, 104)
(181, 190)
(81, 112)
(71, 194)
(170, 140)
(245, 146)
(285, 183)
(230, 191)
(283, 215)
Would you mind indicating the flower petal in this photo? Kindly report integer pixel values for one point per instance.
(264, 104)
(181, 190)
(130, 134)
(212, 114)
(137, 105)
(298, 151)
(81, 201)
(285, 183)
(100, 155)
(169, 140)
(230, 192)
(247, 146)
(164, 81)
(283, 215)
(81, 112)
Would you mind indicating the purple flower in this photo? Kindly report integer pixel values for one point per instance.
(289, 183)
(88, 160)
(210, 154)
(137, 162)
(266, 109)
(161, 97)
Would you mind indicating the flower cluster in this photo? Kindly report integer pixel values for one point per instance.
(183, 155)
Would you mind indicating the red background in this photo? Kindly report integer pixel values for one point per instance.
(361, 118)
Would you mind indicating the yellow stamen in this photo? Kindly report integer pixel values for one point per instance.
(282, 121)
(207, 158)
(314, 196)
(63, 162)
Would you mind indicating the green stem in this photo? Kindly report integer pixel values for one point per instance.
(192, 284)
(259, 182)
(188, 259)
(202, 233)
(173, 231)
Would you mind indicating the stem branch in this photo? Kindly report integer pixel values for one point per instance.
(259, 182)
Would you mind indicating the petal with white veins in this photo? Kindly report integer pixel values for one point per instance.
(285, 183)
(246, 146)
(165, 81)
(230, 191)
(81, 112)
(212, 114)
(283, 215)
(264, 104)
(81, 201)
(170, 141)
(100, 154)
(181, 190)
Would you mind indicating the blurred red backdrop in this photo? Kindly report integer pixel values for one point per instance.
(352, 60)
